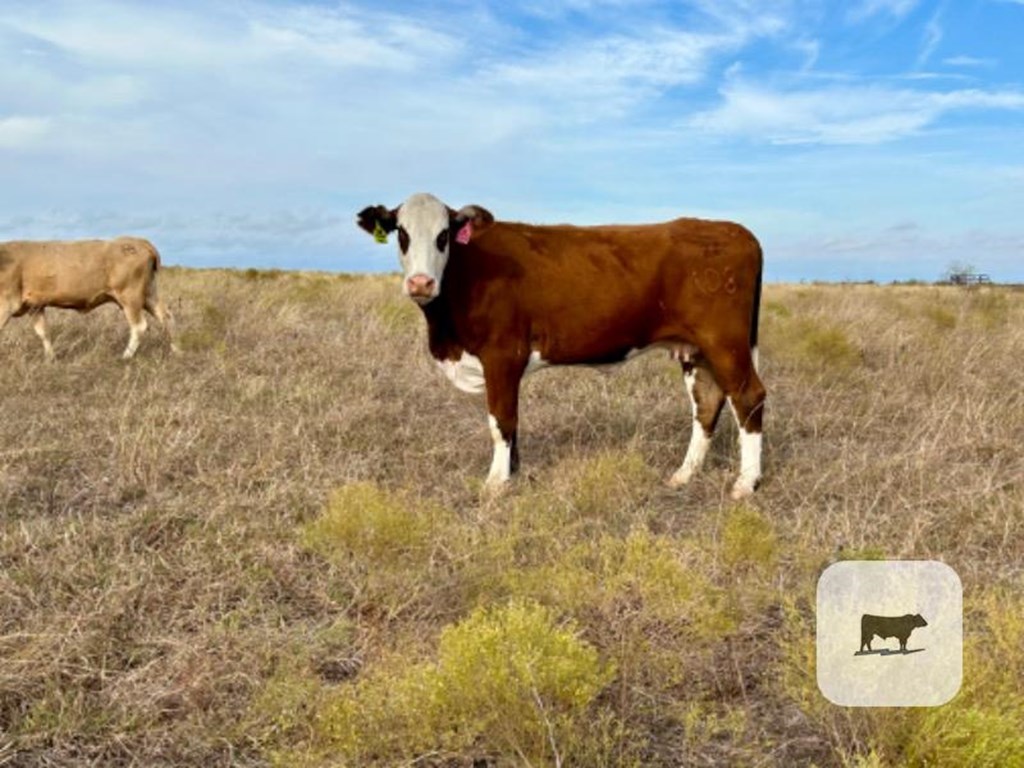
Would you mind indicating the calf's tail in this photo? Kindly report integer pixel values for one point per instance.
(755, 315)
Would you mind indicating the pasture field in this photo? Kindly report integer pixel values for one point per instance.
(273, 549)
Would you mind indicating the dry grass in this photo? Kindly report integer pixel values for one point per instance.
(272, 549)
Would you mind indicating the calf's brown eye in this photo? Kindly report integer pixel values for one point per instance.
(442, 240)
(403, 239)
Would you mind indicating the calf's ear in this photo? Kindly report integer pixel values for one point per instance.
(469, 221)
(378, 221)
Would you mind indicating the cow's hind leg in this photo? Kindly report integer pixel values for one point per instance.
(159, 310)
(746, 394)
(43, 332)
(706, 401)
(137, 324)
(156, 307)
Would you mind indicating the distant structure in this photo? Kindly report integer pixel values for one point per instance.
(969, 278)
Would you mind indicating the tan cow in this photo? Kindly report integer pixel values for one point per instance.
(82, 275)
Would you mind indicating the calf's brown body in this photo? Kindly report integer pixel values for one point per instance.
(516, 296)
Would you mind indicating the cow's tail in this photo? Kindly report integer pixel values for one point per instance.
(154, 267)
(755, 315)
(154, 257)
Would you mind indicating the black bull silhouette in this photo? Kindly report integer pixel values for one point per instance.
(899, 627)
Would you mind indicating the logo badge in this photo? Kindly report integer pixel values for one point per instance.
(889, 633)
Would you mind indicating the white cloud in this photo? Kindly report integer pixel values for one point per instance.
(21, 132)
(606, 75)
(342, 37)
(551, 9)
(932, 36)
(248, 33)
(845, 114)
(811, 50)
(116, 33)
(969, 61)
(866, 9)
(589, 78)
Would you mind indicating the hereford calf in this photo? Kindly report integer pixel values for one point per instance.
(82, 275)
(503, 299)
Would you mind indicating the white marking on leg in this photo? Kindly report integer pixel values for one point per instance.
(501, 464)
(754, 356)
(535, 363)
(133, 340)
(699, 440)
(750, 460)
(41, 331)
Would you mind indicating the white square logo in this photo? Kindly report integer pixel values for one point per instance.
(889, 633)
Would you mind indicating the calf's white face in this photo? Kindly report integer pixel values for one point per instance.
(424, 230)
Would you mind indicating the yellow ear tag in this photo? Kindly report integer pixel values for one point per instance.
(379, 234)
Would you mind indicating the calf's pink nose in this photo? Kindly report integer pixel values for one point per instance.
(420, 285)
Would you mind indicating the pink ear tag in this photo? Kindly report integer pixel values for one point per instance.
(464, 233)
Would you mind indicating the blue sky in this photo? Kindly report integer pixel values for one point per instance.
(870, 139)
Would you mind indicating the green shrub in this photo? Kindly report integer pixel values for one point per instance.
(610, 484)
(209, 333)
(604, 492)
(391, 546)
(976, 736)
(282, 712)
(989, 308)
(827, 345)
(365, 522)
(943, 318)
(811, 344)
(256, 275)
(642, 576)
(748, 538)
(776, 308)
(507, 681)
(862, 553)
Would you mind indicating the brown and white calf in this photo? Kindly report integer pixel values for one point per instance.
(82, 275)
(502, 299)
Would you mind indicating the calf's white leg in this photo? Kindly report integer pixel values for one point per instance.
(706, 400)
(750, 458)
(699, 439)
(501, 463)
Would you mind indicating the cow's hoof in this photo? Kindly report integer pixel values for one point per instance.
(679, 478)
(742, 490)
(492, 489)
